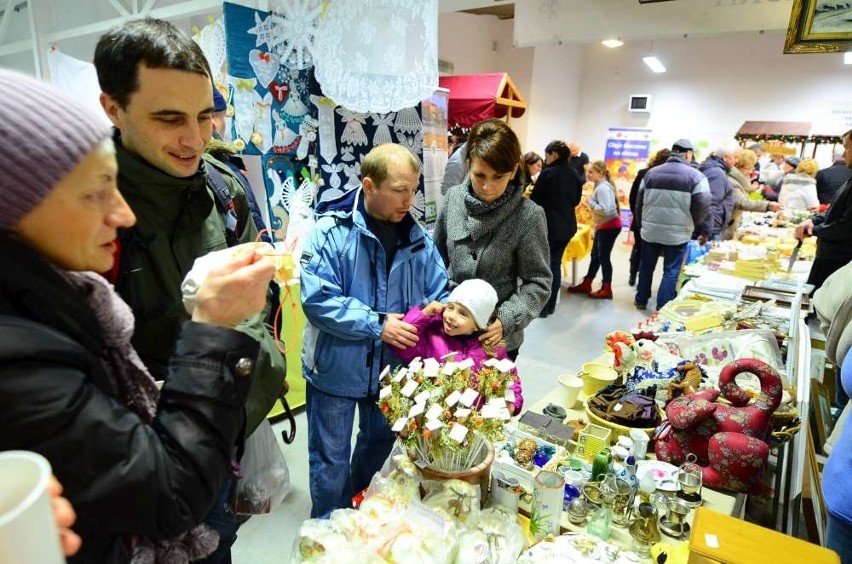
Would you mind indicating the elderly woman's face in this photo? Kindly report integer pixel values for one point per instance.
(75, 225)
(488, 184)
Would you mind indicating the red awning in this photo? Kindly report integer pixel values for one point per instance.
(475, 97)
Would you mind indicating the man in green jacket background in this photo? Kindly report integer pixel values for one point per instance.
(157, 91)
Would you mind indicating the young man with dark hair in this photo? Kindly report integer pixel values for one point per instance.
(157, 91)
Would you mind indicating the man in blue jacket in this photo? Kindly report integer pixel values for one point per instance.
(366, 263)
(716, 168)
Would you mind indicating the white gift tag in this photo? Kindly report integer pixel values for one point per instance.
(462, 412)
(431, 367)
(452, 399)
(385, 392)
(458, 433)
(399, 424)
(490, 411)
(449, 368)
(505, 365)
(400, 374)
(434, 424)
(434, 412)
(468, 397)
(409, 388)
(416, 410)
(421, 397)
(385, 372)
(617, 407)
(497, 402)
(415, 365)
(466, 363)
(509, 396)
(491, 362)
(505, 414)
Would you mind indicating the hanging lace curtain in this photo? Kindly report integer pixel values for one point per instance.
(378, 55)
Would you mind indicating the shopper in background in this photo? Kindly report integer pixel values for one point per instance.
(558, 191)
(716, 168)
(487, 229)
(656, 159)
(798, 189)
(833, 229)
(578, 161)
(740, 175)
(771, 172)
(157, 91)
(533, 164)
(456, 169)
(829, 180)
(761, 157)
(770, 190)
(365, 264)
(673, 198)
(604, 206)
(139, 465)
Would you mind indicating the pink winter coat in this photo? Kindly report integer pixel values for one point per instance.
(434, 343)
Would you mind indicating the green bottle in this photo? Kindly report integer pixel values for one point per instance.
(600, 464)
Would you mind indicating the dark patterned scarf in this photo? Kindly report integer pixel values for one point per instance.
(133, 385)
(475, 206)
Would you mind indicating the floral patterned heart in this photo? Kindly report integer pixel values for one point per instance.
(265, 66)
(279, 91)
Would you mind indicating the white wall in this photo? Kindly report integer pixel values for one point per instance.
(712, 86)
(482, 44)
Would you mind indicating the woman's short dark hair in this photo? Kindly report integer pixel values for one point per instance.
(531, 157)
(660, 157)
(558, 147)
(495, 143)
(157, 44)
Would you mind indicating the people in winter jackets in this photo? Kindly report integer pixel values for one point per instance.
(138, 464)
(366, 263)
(798, 189)
(716, 168)
(831, 179)
(487, 229)
(740, 175)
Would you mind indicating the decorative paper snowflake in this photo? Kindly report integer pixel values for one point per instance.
(296, 22)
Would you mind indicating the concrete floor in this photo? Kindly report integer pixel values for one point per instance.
(552, 346)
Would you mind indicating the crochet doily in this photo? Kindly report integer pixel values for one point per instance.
(296, 23)
(378, 56)
(211, 39)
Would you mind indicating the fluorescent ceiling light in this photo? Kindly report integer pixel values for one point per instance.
(654, 64)
(847, 58)
(612, 43)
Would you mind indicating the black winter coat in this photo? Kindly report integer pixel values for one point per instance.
(122, 476)
(558, 191)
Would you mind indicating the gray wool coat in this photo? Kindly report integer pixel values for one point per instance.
(506, 247)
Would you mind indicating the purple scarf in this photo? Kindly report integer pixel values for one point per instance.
(134, 386)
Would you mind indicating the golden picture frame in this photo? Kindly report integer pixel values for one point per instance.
(819, 26)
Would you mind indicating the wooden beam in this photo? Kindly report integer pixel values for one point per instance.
(509, 102)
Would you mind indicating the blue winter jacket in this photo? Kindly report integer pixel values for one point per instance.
(346, 295)
(673, 198)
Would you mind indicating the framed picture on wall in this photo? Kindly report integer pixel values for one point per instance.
(819, 26)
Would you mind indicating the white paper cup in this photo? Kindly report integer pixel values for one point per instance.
(28, 531)
(572, 386)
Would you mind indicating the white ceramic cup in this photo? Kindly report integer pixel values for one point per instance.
(640, 444)
(28, 531)
(572, 386)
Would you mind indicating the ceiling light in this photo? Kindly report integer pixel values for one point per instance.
(654, 64)
(847, 58)
(612, 43)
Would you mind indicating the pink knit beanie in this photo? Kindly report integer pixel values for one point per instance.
(44, 134)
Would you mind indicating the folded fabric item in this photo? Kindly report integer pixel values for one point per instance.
(631, 409)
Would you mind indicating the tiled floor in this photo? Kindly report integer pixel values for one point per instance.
(558, 344)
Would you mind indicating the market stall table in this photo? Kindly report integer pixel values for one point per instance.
(577, 248)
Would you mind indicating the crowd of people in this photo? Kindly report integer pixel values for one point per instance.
(98, 238)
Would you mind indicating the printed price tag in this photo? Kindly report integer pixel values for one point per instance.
(399, 424)
(468, 397)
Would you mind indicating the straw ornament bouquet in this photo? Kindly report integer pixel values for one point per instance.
(446, 412)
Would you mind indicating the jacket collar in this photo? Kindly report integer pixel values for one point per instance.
(408, 229)
(481, 225)
(160, 197)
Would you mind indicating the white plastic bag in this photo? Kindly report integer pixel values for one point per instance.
(265, 477)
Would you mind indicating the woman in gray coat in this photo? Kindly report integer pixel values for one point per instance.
(486, 229)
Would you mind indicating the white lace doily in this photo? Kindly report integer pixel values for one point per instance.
(378, 55)
(296, 24)
(211, 39)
